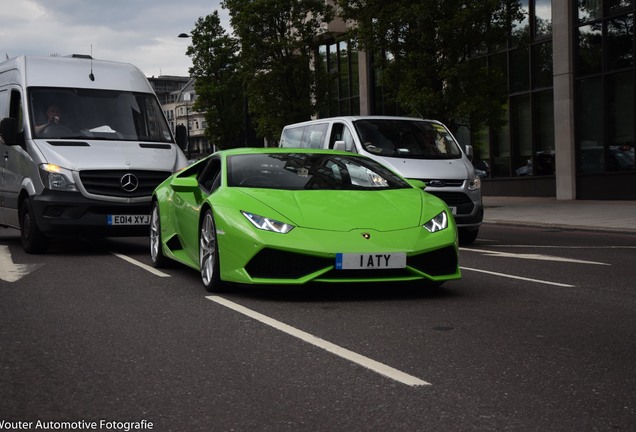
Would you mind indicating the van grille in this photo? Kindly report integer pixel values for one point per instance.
(445, 182)
(460, 200)
(112, 182)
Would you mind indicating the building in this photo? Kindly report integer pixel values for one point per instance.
(570, 130)
(176, 95)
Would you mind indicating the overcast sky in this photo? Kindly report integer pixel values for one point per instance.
(141, 32)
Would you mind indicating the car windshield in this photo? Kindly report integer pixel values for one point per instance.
(407, 139)
(297, 171)
(97, 114)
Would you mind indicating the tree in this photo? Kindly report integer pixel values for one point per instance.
(277, 38)
(215, 67)
(431, 53)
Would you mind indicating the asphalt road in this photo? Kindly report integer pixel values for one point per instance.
(538, 335)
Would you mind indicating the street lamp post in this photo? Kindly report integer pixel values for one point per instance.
(186, 99)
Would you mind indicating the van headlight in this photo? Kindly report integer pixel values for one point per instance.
(438, 223)
(54, 177)
(474, 183)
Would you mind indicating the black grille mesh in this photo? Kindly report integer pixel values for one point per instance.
(276, 264)
(455, 199)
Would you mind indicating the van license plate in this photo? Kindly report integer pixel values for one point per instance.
(128, 219)
(375, 261)
(453, 210)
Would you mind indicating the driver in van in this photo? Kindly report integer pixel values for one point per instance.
(53, 116)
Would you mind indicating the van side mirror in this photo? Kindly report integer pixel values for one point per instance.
(9, 130)
(469, 152)
(181, 134)
(341, 145)
(419, 184)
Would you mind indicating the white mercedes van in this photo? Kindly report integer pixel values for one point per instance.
(83, 143)
(415, 148)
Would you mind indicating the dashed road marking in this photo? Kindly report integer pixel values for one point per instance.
(359, 359)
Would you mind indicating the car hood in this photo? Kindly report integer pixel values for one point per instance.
(428, 168)
(80, 155)
(382, 210)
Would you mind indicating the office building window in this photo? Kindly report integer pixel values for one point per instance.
(605, 72)
(340, 61)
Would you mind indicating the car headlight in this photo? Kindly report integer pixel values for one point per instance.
(438, 223)
(55, 177)
(474, 183)
(268, 224)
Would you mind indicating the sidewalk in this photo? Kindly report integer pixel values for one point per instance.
(616, 216)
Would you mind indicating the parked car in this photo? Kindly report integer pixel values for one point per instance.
(292, 216)
(416, 148)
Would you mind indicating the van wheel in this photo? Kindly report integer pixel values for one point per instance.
(33, 240)
(467, 237)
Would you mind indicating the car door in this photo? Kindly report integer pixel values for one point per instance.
(187, 207)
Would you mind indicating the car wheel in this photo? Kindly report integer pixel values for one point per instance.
(33, 240)
(467, 237)
(209, 254)
(156, 248)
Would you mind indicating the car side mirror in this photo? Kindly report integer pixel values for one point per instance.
(416, 183)
(184, 184)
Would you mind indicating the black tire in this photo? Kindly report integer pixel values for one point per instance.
(157, 257)
(467, 237)
(209, 254)
(34, 241)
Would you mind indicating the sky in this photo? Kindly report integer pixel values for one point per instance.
(141, 32)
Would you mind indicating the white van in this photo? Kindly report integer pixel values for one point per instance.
(83, 143)
(415, 148)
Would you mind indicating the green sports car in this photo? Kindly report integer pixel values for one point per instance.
(292, 216)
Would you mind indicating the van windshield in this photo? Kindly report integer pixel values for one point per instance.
(407, 139)
(96, 114)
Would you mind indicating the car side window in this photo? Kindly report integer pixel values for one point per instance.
(209, 180)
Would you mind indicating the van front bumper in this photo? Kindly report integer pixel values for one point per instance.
(468, 213)
(66, 213)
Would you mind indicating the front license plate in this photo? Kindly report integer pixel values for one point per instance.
(376, 261)
(453, 210)
(128, 219)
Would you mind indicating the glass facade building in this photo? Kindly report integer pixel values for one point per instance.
(570, 72)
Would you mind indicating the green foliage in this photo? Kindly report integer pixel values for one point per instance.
(218, 84)
(277, 38)
(429, 52)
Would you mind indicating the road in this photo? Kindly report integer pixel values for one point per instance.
(538, 335)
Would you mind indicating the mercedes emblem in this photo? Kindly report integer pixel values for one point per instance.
(129, 182)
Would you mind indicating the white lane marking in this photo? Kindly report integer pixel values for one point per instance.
(558, 247)
(10, 271)
(366, 362)
(519, 277)
(142, 265)
(501, 254)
